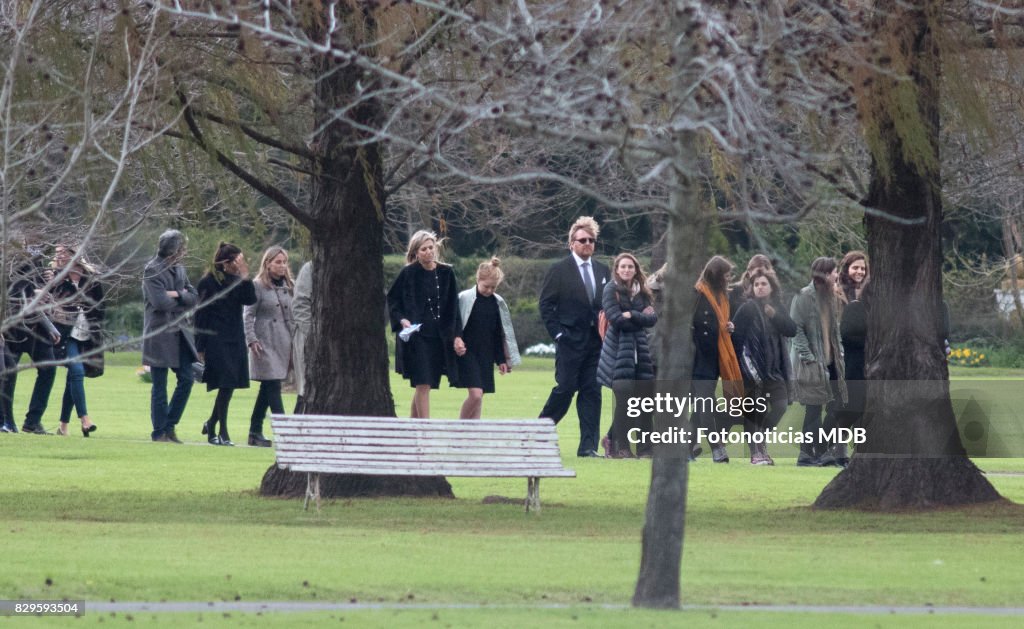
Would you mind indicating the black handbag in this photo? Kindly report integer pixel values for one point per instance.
(93, 365)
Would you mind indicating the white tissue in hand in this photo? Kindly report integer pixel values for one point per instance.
(407, 333)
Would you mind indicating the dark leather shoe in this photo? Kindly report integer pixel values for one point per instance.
(592, 454)
(34, 430)
(807, 460)
(719, 454)
(173, 437)
(9, 427)
(213, 440)
(206, 427)
(258, 440)
(87, 430)
(225, 441)
(161, 439)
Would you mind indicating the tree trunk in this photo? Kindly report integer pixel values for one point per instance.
(913, 458)
(658, 584)
(346, 352)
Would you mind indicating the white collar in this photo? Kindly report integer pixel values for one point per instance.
(580, 260)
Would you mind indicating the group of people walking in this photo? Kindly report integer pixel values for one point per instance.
(246, 329)
(441, 331)
(744, 335)
(601, 320)
(58, 312)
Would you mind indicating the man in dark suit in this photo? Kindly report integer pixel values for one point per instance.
(569, 302)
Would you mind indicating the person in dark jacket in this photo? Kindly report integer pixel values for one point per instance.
(78, 315)
(625, 354)
(425, 294)
(486, 332)
(853, 275)
(570, 299)
(34, 335)
(762, 327)
(714, 355)
(223, 292)
(167, 339)
(739, 292)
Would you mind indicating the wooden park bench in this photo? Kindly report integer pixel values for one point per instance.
(385, 446)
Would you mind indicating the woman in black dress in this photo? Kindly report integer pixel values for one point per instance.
(487, 336)
(220, 334)
(425, 294)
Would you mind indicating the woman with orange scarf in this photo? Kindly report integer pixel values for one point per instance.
(714, 355)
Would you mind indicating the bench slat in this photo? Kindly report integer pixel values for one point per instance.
(380, 442)
(524, 453)
(399, 423)
(413, 433)
(413, 458)
(325, 468)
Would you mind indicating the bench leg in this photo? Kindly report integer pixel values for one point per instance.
(312, 490)
(533, 494)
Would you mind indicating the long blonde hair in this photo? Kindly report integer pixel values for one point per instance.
(263, 277)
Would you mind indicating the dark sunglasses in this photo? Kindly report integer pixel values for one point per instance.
(586, 241)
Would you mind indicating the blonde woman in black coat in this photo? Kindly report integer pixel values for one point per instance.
(425, 294)
(625, 353)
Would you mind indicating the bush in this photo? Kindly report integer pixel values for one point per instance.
(124, 320)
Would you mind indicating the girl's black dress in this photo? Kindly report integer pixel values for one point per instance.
(485, 345)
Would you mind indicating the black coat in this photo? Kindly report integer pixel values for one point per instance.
(220, 331)
(406, 301)
(756, 337)
(705, 340)
(625, 353)
(34, 330)
(564, 306)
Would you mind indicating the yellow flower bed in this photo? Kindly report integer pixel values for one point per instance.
(967, 357)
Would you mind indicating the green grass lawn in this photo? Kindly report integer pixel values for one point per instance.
(119, 517)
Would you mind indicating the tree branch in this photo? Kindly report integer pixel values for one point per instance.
(270, 191)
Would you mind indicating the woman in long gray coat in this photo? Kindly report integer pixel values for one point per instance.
(269, 326)
(625, 354)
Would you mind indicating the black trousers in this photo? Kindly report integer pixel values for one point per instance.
(39, 352)
(269, 397)
(622, 423)
(813, 420)
(576, 374)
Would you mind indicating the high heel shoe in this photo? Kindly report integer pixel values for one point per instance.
(213, 440)
(86, 430)
(225, 440)
(206, 427)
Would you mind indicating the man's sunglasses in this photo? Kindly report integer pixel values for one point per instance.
(586, 241)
